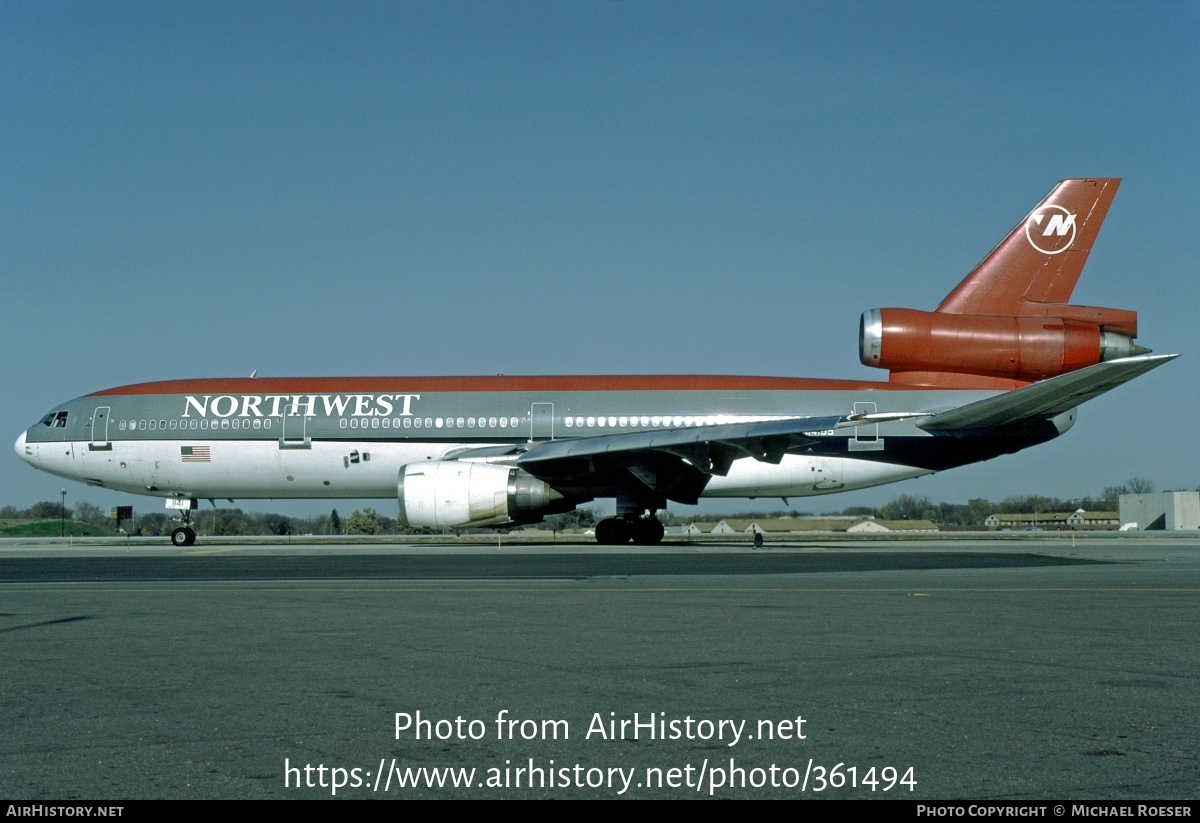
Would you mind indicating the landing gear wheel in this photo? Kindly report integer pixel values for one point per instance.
(613, 531)
(183, 537)
(647, 531)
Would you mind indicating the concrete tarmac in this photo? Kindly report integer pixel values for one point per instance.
(918, 670)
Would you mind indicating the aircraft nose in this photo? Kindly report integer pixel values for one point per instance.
(25, 452)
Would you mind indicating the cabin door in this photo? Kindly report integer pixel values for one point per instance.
(541, 421)
(100, 441)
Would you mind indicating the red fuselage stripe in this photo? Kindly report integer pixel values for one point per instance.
(498, 383)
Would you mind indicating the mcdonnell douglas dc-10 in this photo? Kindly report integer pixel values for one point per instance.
(1000, 365)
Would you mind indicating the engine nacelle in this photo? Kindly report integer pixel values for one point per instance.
(452, 494)
(1020, 348)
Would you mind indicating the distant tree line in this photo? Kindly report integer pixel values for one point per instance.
(972, 513)
(214, 522)
(55, 510)
(233, 522)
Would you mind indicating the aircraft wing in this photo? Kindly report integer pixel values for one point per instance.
(1044, 400)
(678, 462)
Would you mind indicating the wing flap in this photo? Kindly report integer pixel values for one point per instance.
(746, 439)
(1044, 400)
(711, 449)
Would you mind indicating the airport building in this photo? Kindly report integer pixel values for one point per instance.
(802, 525)
(1166, 511)
(1053, 521)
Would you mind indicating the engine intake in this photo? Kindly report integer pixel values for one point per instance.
(1020, 348)
(452, 494)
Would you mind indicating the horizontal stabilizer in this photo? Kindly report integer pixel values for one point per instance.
(1044, 400)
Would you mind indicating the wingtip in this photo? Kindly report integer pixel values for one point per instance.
(1141, 358)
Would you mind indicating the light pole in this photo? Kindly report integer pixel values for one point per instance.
(62, 515)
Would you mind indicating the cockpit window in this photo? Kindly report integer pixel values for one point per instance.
(57, 421)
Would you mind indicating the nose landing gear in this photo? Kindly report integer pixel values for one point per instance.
(184, 535)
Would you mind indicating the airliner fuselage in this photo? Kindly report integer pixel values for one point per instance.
(281, 438)
(999, 365)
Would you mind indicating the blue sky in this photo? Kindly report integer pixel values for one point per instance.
(209, 188)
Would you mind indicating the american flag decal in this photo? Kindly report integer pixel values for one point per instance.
(195, 454)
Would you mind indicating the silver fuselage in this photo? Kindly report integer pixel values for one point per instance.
(350, 437)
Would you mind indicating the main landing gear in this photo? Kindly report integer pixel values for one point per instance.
(617, 531)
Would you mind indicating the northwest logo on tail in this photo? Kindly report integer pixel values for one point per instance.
(1050, 229)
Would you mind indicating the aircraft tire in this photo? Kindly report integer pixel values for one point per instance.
(648, 531)
(612, 531)
(183, 537)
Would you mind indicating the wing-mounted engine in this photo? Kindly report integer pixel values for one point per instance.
(450, 494)
(1056, 340)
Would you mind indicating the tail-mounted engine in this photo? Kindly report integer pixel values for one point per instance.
(450, 494)
(1020, 348)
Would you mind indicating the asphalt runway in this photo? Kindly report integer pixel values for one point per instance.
(916, 670)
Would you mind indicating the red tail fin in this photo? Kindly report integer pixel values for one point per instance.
(1008, 323)
(1041, 259)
